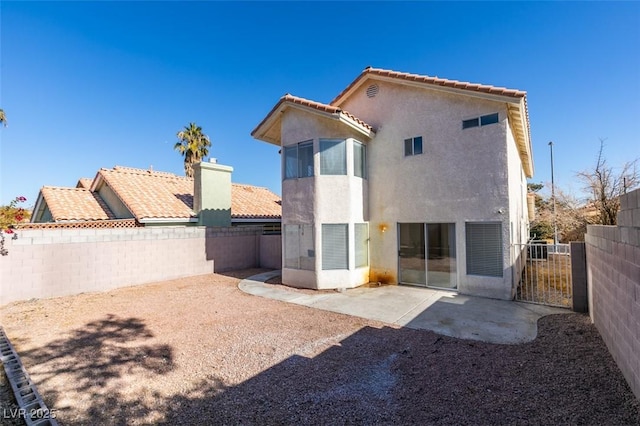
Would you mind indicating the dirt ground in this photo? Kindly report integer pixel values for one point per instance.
(200, 351)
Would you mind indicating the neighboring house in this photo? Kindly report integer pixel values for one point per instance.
(152, 198)
(422, 182)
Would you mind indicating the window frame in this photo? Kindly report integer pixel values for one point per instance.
(479, 246)
(325, 167)
(411, 142)
(299, 166)
(363, 164)
(329, 254)
(481, 121)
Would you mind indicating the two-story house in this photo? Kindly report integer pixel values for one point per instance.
(403, 178)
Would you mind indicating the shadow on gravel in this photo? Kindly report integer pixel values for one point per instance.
(94, 356)
(400, 376)
(376, 375)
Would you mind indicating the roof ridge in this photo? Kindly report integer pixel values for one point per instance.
(454, 84)
(64, 187)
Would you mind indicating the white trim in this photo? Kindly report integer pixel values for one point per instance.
(169, 219)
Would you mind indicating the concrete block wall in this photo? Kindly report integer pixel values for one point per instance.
(58, 262)
(613, 274)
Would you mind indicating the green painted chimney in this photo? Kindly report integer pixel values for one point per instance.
(212, 193)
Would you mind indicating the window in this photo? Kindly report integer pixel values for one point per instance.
(413, 146)
(361, 244)
(298, 247)
(484, 248)
(360, 160)
(472, 122)
(298, 160)
(480, 121)
(489, 119)
(335, 246)
(333, 157)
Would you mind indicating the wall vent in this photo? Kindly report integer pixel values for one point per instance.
(372, 90)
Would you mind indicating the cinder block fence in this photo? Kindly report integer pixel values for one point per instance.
(613, 274)
(57, 262)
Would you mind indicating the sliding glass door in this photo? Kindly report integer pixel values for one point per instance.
(427, 254)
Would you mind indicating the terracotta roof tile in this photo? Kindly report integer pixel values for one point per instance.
(84, 183)
(315, 105)
(153, 194)
(75, 204)
(484, 88)
(150, 194)
(249, 202)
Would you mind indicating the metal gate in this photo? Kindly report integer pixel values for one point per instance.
(542, 273)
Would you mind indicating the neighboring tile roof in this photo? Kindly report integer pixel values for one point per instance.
(84, 183)
(249, 202)
(150, 194)
(75, 204)
(454, 84)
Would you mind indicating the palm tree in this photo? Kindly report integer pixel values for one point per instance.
(3, 118)
(193, 144)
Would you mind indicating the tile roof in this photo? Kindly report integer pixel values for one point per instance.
(249, 202)
(84, 183)
(150, 194)
(318, 106)
(74, 204)
(436, 81)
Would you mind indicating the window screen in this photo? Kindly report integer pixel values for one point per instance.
(361, 244)
(484, 248)
(333, 157)
(335, 242)
(360, 160)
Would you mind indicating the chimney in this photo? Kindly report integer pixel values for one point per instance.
(212, 193)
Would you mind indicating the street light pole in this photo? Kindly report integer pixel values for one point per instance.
(553, 197)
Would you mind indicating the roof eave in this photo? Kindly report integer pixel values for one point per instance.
(274, 117)
(151, 220)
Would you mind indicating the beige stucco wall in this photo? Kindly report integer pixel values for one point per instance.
(113, 201)
(462, 175)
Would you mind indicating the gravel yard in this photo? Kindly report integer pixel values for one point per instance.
(200, 351)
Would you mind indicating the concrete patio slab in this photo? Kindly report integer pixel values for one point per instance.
(444, 312)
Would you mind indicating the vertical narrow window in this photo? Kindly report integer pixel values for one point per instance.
(335, 246)
(484, 248)
(333, 157)
(291, 162)
(305, 159)
(413, 146)
(361, 243)
(360, 160)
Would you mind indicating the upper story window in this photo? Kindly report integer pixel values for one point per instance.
(359, 159)
(480, 121)
(333, 157)
(298, 160)
(413, 146)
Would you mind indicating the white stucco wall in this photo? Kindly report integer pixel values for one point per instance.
(323, 199)
(461, 176)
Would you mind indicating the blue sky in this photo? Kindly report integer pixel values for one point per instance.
(87, 85)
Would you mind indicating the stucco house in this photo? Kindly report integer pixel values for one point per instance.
(154, 198)
(403, 178)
